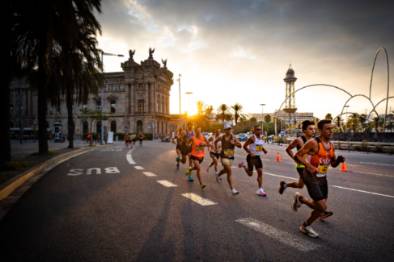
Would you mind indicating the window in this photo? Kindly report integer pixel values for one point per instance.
(140, 105)
(113, 106)
(113, 126)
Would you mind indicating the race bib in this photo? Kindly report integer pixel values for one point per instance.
(322, 169)
(259, 148)
(228, 152)
(200, 148)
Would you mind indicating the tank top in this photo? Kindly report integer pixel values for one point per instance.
(322, 159)
(197, 147)
(299, 165)
(256, 148)
(227, 148)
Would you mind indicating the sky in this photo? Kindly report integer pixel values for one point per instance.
(238, 51)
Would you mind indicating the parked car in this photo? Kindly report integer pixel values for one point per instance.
(59, 137)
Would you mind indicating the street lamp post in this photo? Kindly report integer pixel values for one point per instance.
(188, 93)
(180, 95)
(262, 117)
(102, 93)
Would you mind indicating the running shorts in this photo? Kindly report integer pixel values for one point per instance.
(214, 155)
(300, 171)
(317, 186)
(254, 161)
(196, 158)
(227, 161)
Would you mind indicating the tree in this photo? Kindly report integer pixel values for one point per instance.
(237, 109)
(80, 58)
(36, 25)
(200, 108)
(328, 116)
(353, 122)
(267, 118)
(223, 108)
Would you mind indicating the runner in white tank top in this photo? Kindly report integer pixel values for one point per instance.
(254, 146)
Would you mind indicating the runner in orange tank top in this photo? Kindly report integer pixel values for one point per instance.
(322, 155)
(198, 144)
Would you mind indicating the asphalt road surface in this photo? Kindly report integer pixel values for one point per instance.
(117, 204)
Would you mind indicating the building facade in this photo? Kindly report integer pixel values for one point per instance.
(137, 99)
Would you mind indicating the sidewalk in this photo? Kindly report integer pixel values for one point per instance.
(25, 157)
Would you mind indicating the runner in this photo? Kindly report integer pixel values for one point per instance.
(214, 151)
(127, 140)
(189, 136)
(198, 142)
(308, 128)
(141, 138)
(254, 146)
(181, 147)
(229, 142)
(322, 155)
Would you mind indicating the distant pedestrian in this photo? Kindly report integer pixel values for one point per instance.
(141, 138)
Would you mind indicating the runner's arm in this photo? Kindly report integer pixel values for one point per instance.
(289, 149)
(309, 147)
(335, 161)
(247, 143)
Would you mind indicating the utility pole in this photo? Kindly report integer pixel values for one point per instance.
(180, 95)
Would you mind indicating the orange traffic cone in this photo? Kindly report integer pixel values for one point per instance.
(343, 167)
(278, 158)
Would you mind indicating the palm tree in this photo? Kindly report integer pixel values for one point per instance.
(328, 116)
(237, 108)
(223, 111)
(80, 57)
(35, 26)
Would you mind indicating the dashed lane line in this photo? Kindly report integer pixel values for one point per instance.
(362, 191)
(149, 174)
(275, 175)
(277, 234)
(199, 200)
(129, 157)
(139, 167)
(166, 183)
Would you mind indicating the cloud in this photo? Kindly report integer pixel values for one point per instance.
(233, 43)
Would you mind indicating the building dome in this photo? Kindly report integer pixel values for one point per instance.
(290, 72)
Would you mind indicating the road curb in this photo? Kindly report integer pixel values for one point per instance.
(38, 171)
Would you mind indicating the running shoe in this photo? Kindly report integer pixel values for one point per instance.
(326, 214)
(203, 186)
(282, 187)
(190, 178)
(297, 203)
(308, 230)
(234, 191)
(260, 192)
(241, 165)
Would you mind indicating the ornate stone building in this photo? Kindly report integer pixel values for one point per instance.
(134, 100)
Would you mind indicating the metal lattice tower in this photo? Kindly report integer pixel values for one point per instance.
(290, 106)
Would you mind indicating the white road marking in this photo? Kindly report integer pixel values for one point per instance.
(362, 191)
(376, 164)
(199, 200)
(130, 158)
(166, 183)
(277, 234)
(139, 167)
(150, 174)
(275, 175)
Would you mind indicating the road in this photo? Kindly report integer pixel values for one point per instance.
(117, 204)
